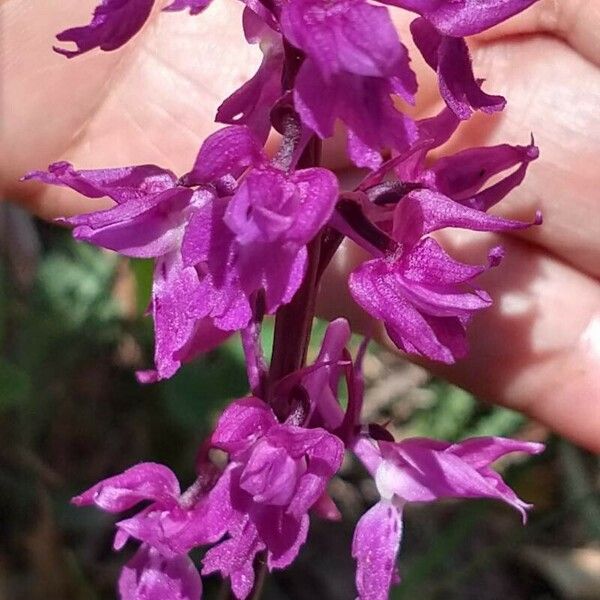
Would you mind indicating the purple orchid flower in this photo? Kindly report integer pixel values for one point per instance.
(277, 472)
(152, 211)
(421, 470)
(354, 61)
(159, 569)
(115, 22)
(424, 296)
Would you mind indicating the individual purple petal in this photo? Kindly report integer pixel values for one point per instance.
(349, 35)
(270, 474)
(146, 481)
(424, 211)
(151, 576)
(481, 452)
(145, 228)
(226, 152)
(195, 6)
(321, 384)
(428, 264)
(113, 24)
(375, 547)
(208, 244)
(323, 460)
(283, 536)
(241, 423)
(464, 17)
(271, 206)
(279, 276)
(178, 304)
(160, 529)
(326, 509)
(123, 184)
(234, 558)
(438, 129)
(252, 103)
(449, 57)
(316, 101)
(461, 175)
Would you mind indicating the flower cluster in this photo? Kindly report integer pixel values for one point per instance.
(243, 235)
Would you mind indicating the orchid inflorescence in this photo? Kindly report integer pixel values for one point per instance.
(243, 235)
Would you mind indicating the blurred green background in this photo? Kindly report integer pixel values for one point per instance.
(72, 333)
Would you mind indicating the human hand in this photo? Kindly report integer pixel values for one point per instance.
(538, 348)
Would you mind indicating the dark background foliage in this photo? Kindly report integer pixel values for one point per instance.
(72, 333)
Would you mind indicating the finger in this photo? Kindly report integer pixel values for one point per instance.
(557, 100)
(537, 350)
(575, 21)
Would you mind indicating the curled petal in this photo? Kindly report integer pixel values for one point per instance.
(194, 6)
(242, 422)
(424, 211)
(450, 58)
(146, 228)
(146, 481)
(227, 152)
(462, 175)
(114, 23)
(123, 184)
(481, 452)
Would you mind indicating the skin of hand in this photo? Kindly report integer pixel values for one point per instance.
(536, 350)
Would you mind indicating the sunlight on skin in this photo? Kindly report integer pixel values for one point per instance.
(153, 101)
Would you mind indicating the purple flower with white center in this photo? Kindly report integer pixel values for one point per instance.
(276, 473)
(354, 62)
(115, 22)
(421, 470)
